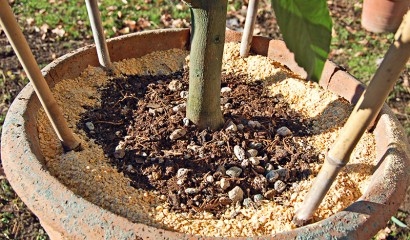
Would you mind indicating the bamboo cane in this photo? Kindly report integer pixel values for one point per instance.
(23, 52)
(363, 114)
(249, 27)
(98, 34)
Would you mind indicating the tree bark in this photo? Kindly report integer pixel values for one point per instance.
(207, 44)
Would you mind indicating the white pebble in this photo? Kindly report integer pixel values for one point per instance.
(185, 121)
(280, 186)
(234, 172)
(245, 163)
(236, 194)
(228, 105)
(178, 133)
(231, 127)
(225, 90)
(225, 183)
(175, 85)
(191, 190)
(90, 126)
(284, 131)
(119, 150)
(239, 152)
(183, 94)
(182, 172)
(255, 160)
(210, 178)
(251, 153)
(179, 108)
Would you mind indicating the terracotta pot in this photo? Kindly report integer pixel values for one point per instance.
(65, 215)
(383, 15)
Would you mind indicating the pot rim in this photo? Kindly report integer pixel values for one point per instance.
(23, 162)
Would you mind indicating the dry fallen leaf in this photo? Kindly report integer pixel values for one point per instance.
(30, 21)
(44, 28)
(124, 30)
(59, 31)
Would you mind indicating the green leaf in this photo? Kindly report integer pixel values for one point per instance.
(306, 27)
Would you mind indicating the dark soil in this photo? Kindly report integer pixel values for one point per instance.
(135, 122)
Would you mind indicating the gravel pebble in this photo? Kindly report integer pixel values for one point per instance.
(283, 173)
(182, 172)
(225, 183)
(183, 94)
(284, 131)
(255, 145)
(220, 143)
(179, 108)
(225, 90)
(228, 105)
(257, 197)
(239, 152)
(245, 163)
(280, 186)
(210, 178)
(185, 121)
(272, 176)
(251, 153)
(254, 160)
(269, 167)
(231, 127)
(270, 194)
(234, 172)
(119, 151)
(191, 190)
(247, 202)
(254, 124)
(221, 169)
(236, 194)
(175, 85)
(90, 126)
(177, 133)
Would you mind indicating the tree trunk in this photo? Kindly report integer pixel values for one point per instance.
(207, 44)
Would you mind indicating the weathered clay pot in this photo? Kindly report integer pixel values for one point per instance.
(65, 215)
(383, 15)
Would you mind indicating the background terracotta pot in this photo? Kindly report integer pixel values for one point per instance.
(383, 15)
(67, 216)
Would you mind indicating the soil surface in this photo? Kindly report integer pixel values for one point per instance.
(17, 222)
(142, 129)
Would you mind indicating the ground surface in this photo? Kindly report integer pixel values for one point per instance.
(54, 28)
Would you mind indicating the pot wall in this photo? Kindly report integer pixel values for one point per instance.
(383, 15)
(67, 216)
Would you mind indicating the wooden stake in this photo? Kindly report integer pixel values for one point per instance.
(365, 111)
(98, 34)
(22, 49)
(249, 27)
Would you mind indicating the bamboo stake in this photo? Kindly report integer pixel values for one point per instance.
(249, 27)
(23, 52)
(98, 34)
(363, 114)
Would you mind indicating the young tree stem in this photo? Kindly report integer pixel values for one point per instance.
(207, 44)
